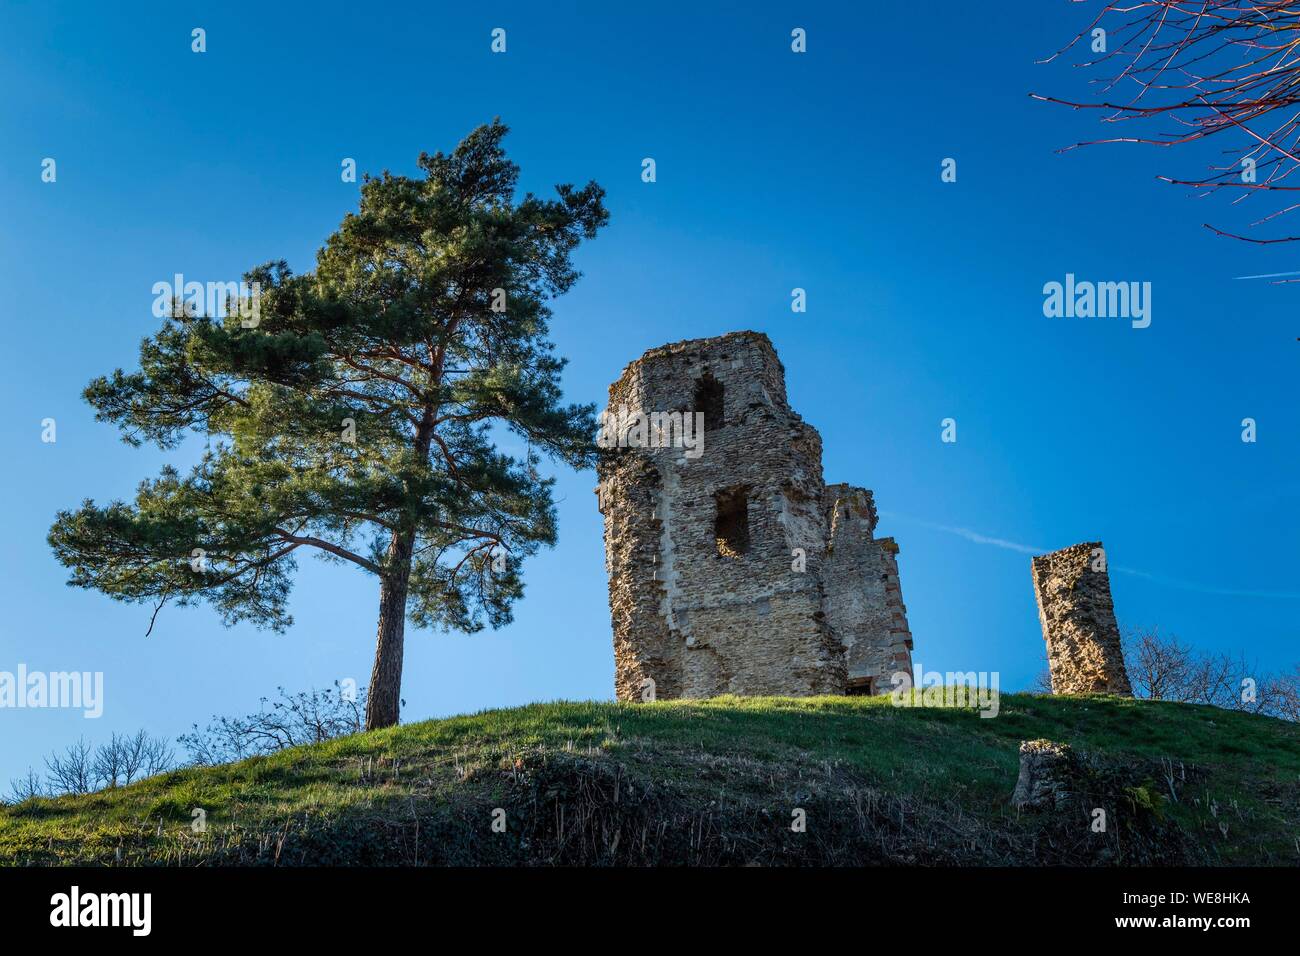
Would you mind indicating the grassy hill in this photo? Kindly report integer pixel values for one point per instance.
(711, 782)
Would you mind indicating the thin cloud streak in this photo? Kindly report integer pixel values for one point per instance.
(1204, 589)
(1269, 275)
(970, 535)
(977, 538)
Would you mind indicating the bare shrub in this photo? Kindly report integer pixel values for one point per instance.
(1161, 667)
(307, 717)
(73, 770)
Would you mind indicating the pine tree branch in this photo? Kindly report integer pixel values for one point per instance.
(332, 548)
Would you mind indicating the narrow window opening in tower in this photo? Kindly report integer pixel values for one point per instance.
(731, 526)
(708, 399)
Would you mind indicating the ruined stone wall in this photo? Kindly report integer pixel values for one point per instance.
(862, 597)
(725, 575)
(896, 654)
(1077, 613)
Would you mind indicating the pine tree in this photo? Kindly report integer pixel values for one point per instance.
(356, 416)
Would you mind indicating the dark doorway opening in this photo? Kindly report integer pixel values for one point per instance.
(709, 400)
(862, 687)
(731, 526)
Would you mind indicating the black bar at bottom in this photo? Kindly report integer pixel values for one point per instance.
(333, 905)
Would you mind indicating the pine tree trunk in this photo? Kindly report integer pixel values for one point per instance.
(384, 696)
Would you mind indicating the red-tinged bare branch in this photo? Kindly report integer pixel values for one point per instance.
(1262, 242)
(1206, 68)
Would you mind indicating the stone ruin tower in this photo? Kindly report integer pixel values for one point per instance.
(1078, 617)
(733, 568)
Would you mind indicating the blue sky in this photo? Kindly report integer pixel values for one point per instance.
(775, 171)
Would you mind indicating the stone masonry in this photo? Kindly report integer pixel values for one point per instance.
(1078, 617)
(733, 568)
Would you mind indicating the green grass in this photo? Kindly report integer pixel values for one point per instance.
(709, 782)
